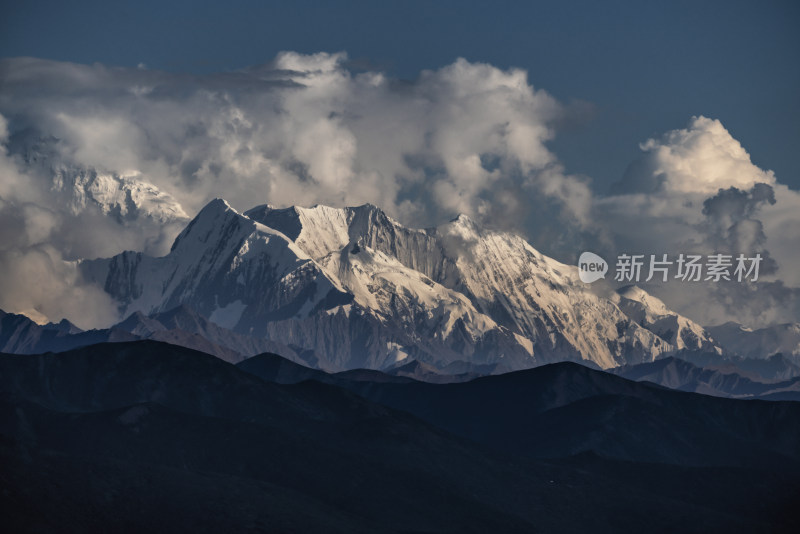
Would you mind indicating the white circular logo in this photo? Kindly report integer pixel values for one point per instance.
(591, 267)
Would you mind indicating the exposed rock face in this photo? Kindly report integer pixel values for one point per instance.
(651, 313)
(361, 290)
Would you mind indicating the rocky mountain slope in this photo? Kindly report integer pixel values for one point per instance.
(360, 290)
(651, 313)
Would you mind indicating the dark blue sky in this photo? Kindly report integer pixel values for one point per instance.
(646, 67)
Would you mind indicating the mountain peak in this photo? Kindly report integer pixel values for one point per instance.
(651, 313)
(635, 292)
(321, 230)
(217, 205)
(214, 218)
(463, 218)
(463, 224)
(651, 304)
(65, 326)
(212, 213)
(284, 220)
(326, 279)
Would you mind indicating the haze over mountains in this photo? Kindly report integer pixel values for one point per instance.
(774, 379)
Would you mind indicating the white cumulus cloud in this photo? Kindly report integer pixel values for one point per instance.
(97, 159)
(696, 190)
(84, 143)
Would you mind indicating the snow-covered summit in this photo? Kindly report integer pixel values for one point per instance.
(360, 289)
(123, 194)
(221, 264)
(651, 313)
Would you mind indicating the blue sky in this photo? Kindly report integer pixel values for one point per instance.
(645, 67)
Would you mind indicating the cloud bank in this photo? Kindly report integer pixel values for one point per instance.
(696, 190)
(303, 129)
(95, 160)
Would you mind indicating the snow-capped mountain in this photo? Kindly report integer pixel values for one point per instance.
(502, 275)
(221, 264)
(652, 314)
(126, 196)
(361, 290)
